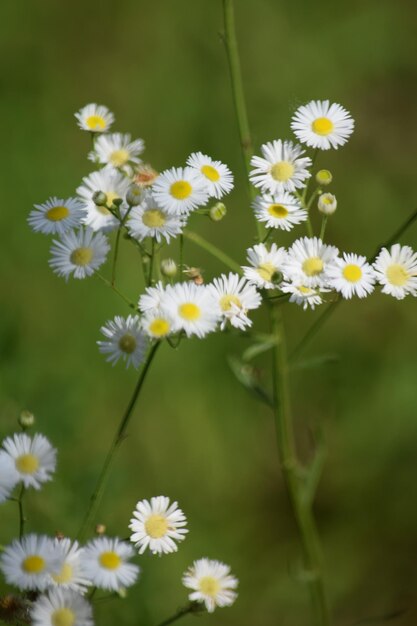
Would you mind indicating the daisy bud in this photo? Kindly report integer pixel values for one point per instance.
(117, 202)
(169, 268)
(217, 212)
(324, 177)
(26, 419)
(327, 203)
(99, 198)
(134, 195)
(100, 529)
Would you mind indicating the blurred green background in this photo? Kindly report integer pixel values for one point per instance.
(197, 435)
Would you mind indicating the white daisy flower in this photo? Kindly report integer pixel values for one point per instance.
(61, 607)
(157, 324)
(396, 270)
(124, 340)
(281, 168)
(302, 295)
(192, 308)
(9, 476)
(211, 583)
(180, 190)
(117, 150)
(112, 183)
(79, 253)
(152, 299)
(351, 275)
(266, 264)
(150, 220)
(95, 118)
(157, 525)
(320, 124)
(56, 216)
(105, 562)
(218, 177)
(34, 458)
(307, 261)
(71, 575)
(28, 563)
(281, 210)
(234, 298)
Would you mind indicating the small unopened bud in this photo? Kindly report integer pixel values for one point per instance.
(169, 268)
(327, 203)
(100, 529)
(99, 198)
(324, 177)
(277, 277)
(134, 195)
(118, 201)
(217, 212)
(26, 419)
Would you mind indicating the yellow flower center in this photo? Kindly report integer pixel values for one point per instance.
(27, 463)
(33, 564)
(159, 327)
(153, 218)
(110, 560)
(95, 122)
(277, 210)
(210, 172)
(64, 576)
(189, 311)
(181, 189)
(119, 157)
(156, 526)
(81, 256)
(322, 126)
(306, 291)
(266, 271)
(209, 585)
(127, 343)
(282, 171)
(397, 275)
(352, 273)
(227, 300)
(313, 266)
(57, 213)
(63, 617)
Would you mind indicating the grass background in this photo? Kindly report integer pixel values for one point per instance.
(197, 436)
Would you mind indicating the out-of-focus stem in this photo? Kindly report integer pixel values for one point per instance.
(22, 518)
(213, 250)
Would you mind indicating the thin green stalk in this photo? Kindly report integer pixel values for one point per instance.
(323, 226)
(213, 250)
(152, 256)
(116, 252)
(181, 260)
(117, 440)
(22, 518)
(116, 290)
(193, 607)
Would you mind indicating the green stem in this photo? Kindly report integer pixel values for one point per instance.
(213, 250)
(193, 607)
(116, 252)
(152, 256)
(116, 290)
(181, 259)
(22, 518)
(323, 226)
(117, 440)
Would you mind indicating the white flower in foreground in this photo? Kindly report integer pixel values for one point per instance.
(105, 563)
(211, 583)
(180, 190)
(152, 298)
(281, 168)
(8, 475)
(110, 182)
(396, 270)
(95, 118)
(157, 525)
(320, 124)
(307, 261)
(218, 177)
(302, 295)
(61, 607)
(234, 298)
(56, 216)
(117, 150)
(71, 575)
(266, 264)
(79, 253)
(279, 211)
(157, 324)
(351, 275)
(150, 220)
(29, 562)
(34, 458)
(192, 308)
(124, 340)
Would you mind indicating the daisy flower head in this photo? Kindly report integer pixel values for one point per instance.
(61, 607)
(351, 275)
(192, 308)
(180, 190)
(124, 340)
(211, 583)
(152, 299)
(148, 219)
(114, 185)
(29, 562)
(157, 525)
(322, 125)
(56, 216)
(281, 210)
(157, 324)
(218, 177)
(79, 254)
(117, 150)
(234, 297)
(327, 203)
(71, 574)
(34, 458)
(266, 264)
(105, 562)
(281, 168)
(396, 271)
(9, 476)
(307, 261)
(96, 118)
(302, 295)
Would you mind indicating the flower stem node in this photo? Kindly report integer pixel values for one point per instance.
(217, 212)
(134, 195)
(99, 198)
(169, 268)
(327, 203)
(26, 419)
(324, 177)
